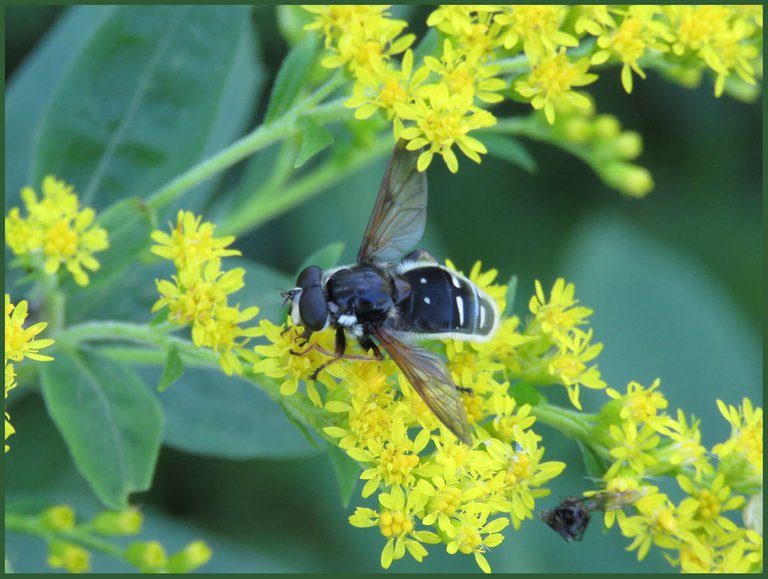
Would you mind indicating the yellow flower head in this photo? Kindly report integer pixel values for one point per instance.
(56, 230)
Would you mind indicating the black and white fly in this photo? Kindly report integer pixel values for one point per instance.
(394, 304)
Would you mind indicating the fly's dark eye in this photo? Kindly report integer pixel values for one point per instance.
(309, 277)
(313, 308)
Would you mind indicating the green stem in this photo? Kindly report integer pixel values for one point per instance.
(572, 424)
(139, 333)
(259, 138)
(30, 525)
(268, 204)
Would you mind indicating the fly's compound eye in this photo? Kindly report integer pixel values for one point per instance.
(313, 308)
(309, 277)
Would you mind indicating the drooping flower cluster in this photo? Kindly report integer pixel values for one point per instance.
(198, 295)
(56, 231)
(541, 54)
(430, 487)
(20, 343)
(645, 443)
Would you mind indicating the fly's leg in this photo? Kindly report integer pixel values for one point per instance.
(465, 390)
(368, 344)
(341, 347)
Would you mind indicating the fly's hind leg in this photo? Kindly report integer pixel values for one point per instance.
(465, 390)
(367, 344)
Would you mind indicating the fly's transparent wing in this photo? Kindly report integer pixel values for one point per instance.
(397, 221)
(432, 380)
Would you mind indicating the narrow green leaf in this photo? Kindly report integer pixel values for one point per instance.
(128, 223)
(291, 77)
(144, 100)
(325, 257)
(511, 295)
(594, 465)
(510, 149)
(173, 369)
(315, 138)
(428, 46)
(110, 421)
(347, 473)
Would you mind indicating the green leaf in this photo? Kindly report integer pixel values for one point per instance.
(325, 257)
(511, 295)
(110, 422)
(315, 139)
(347, 472)
(30, 88)
(210, 414)
(173, 369)
(135, 107)
(291, 77)
(593, 463)
(428, 46)
(526, 393)
(128, 223)
(510, 149)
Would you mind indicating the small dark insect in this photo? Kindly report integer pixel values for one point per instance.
(393, 304)
(571, 517)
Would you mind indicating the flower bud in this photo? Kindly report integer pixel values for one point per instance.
(68, 556)
(192, 557)
(58, 518)
(606, 127)
(146, 556)
(627, 178)
(628, 145)
(117, 523)
(577, 129)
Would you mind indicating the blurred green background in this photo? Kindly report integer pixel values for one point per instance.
(674, 280)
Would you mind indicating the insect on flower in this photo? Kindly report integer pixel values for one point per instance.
(398, 303)
(571, 517)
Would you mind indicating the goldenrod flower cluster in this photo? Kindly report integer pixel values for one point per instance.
(645, 442)
(56, 231)
(68, 542)
(541, 54)
(431, 488)
(20, 343)
(197, 295)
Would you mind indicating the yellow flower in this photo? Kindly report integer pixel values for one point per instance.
(441, 120)
(708, 502)
(191, 243)
(68, 556)
(57, 231)
(474, 535)
(536, 27)
(20, 342)
(559, 316)
(638, 33)
(396, 522)
(643, 406)
(551, 82)
(632, 446)
(746, 438)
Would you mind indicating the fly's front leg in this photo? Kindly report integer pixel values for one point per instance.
(305, 335)
(341, 348)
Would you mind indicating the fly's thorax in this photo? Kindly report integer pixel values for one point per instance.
(444, 303)
(359, 294)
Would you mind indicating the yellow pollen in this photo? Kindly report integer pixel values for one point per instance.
(60, 240)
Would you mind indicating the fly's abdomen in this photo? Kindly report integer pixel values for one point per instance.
(443, 302)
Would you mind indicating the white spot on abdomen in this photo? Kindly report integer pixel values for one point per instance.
(455, 281)
(460, 307)
(423, 280)
(427, 301)
(482, 315)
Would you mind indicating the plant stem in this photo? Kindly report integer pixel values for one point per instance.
(30, 525)
(140, 333)
(269, 204)
(575, 425)
(260, 137)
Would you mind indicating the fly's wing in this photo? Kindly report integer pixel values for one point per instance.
(431, 379)
(397, 221)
